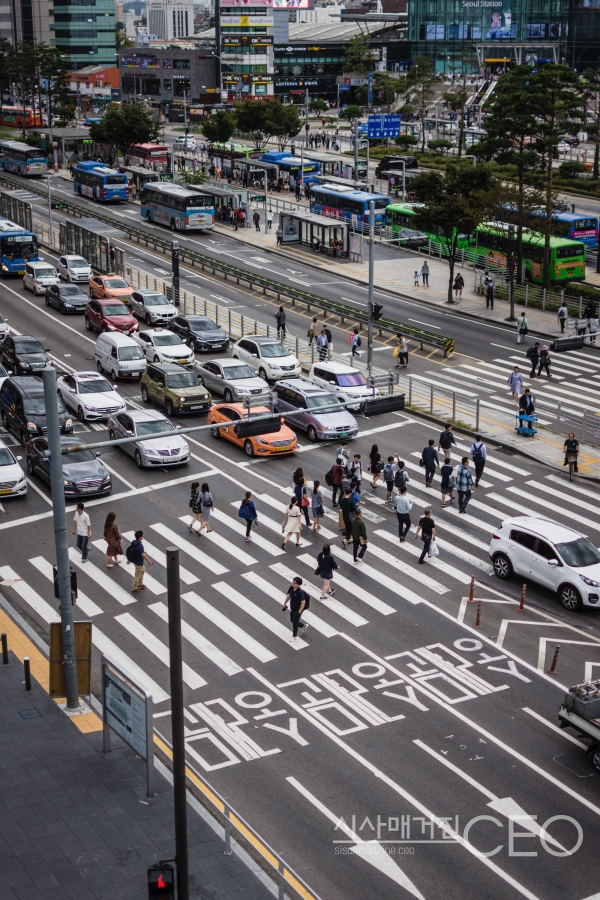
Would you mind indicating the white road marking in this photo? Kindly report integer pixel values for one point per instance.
(160, 650)
(237, 634)
(202, 644)
(83, 601)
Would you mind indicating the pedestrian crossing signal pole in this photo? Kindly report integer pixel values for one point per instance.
(175, 271)
(61, 539)
(371, 267)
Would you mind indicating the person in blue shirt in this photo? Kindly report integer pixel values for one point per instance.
(403, 508)
(139, 556)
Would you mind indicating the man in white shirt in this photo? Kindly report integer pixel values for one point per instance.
(82, 527)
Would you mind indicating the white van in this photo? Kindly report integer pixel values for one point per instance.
(345, 382)
(38, 276)
(119, 356)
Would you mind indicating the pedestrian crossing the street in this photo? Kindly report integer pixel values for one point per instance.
(233, 591)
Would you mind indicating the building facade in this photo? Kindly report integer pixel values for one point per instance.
(170, 19)
(166, 77)
(246, 49)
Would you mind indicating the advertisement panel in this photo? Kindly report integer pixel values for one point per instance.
(246, 21)
(291, 4)
(246, 4)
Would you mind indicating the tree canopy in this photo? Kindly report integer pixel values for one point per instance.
(358, 56)
(122, 126)
(418, 90)
(266, 119)
(219, 128)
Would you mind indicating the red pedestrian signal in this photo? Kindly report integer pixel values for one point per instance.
(161, 882)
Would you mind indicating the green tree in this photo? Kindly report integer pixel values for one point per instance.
(219, 128)
(122, 39)
(419, 89)
(267, 119)
(406, 141)
(440, 146)
(123, 126)
(591, 84)
(358, 56)
(385, 90)
(457, 100)
(191, 177)
(351, 112)
(318, 106)
(454, 204)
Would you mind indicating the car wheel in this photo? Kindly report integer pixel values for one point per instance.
(169, 407)
(47, 301)
(111, 435)
(596, 759)
(173, 225)
(570, 597)
(23, 437)
(80, 414)
(248, 448)
(103, 329)
(138, 459)
(88, 324)
(61, 309)
(502, 566)
(145, 395)
(148, 319)
(228, 396)
(30, 466)
(99, 367)
(311, 434)
(216, 432)
(262, 374)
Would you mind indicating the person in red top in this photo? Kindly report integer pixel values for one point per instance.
(338, 474)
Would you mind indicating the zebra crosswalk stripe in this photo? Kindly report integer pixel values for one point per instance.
(160, 650)
(226, 625)
(112, 588)
(437, 563)
(201, 643)
(84, 603)
(278, 595)
(354, 589)
(191, 549)
(334, 605)
(256, 612)
(154, 586)
(239, 528)
(158, 556)
(215, 538)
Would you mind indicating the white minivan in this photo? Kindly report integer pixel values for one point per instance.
(38, 276)
(119, 356)
(344, 381)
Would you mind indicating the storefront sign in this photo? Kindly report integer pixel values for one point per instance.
(247, 4)
(246, 40)
(246, 21)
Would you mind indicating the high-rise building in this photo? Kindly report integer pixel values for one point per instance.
(246, 48)
(119, 12)
(170, 19)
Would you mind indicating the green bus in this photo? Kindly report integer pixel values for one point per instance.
(400, 218)
(567, 258)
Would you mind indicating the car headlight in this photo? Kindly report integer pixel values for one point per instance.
(22, 477)
(273, 366)
(31, 426)
(111, 327)
(148, 451)
(106, 479)
(70, 305)
(241, 390)
(181, 399)
(20, 364)
(90, 408)
(589, 581)
(69, 422)
(260, 441)
(184, 448)
(68, 484)
(205, 396)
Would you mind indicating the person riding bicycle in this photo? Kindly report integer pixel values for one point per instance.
(571, 449)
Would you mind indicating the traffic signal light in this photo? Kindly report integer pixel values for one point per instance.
(161, 882)
(377, 311)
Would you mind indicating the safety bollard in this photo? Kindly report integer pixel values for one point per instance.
(227, 851)
(522, 603)
(4, 649)
(478, 619)
(552, 669)
(472, 590)
(27, 673)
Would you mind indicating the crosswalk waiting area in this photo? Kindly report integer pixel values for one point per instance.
(232, 591)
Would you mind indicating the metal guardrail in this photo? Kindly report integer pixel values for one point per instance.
(193, 258)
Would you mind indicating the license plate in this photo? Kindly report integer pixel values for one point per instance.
(194, 407)
(281, 449)
(85, 490)
(21, 272)
(6, 491)
(343, 434)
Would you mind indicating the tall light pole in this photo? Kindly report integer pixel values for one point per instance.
(511, 269)
(370, 296)
(356, 153)
(48, 177)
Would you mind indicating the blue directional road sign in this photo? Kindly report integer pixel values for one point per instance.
(383, 126)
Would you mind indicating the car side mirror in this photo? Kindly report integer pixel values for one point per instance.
(553, 562)
(98, 455)
(128, 434)
(47, 349)
(255, 355)
(19, 458)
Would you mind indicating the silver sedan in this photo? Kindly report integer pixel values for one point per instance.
(233, 379)
(159, 444)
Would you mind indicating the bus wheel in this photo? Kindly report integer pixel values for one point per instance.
(173, 225)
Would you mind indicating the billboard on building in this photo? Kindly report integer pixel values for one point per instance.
(247, 4)
(291, 4)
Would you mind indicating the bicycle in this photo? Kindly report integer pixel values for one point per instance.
(572, 461)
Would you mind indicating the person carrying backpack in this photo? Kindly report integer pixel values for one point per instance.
(248, 512)
(355, 342)
(563, 315)
(337, 476)
(522, 328)
(389, 471)
(533, 353)
(401, 478)
(136, 556)
(478, 453)
(298, 601)
(446, 439)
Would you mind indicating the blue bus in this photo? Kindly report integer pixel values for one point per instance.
(292, 164)
(573, 226)
(179, 207)
(15, 156)
(17, 247)
(341, 202)
(95, 180)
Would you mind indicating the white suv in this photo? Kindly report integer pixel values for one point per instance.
(162, 346)
(267, 356)
(554, 556)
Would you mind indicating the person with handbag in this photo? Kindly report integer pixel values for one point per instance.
(400, 352)
(448, 484)
(522, 328)
(292, 522)
(301, 495)
(347, 514)
(356, 471)
(545, 361)
(248, 512)
(337, 476)
(426, 529)
(316, 502)
(206, 505)
(375, 465)
(195, 506)
(325, 566)
(360, 540)
(459, 283)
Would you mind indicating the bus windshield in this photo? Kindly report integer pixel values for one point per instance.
(17, 249)
(116, 179)
(570, 251)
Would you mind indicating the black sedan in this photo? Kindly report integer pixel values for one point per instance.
(83, 472)
(23, 354)
(67, 298)
(199, 332)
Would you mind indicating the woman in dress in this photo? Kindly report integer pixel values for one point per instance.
(316, 501)
(114, 541)
(195, 506)
(375, 465)
(292, 522)
(325, 566)
(205, 501)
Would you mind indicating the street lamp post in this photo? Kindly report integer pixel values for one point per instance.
(511, 269)
(371, 273)
(48, 177)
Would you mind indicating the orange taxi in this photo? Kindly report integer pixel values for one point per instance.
(112, 287)
(284, 441)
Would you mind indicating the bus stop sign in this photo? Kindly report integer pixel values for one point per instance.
(383, 126)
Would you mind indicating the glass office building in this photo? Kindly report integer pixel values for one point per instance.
(85, 32)
(503, 32)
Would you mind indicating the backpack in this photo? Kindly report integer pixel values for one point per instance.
(477, 453)
(530, 353)
(445, 440)
(329, 477)
(131, 553)
(388, 472)
(306, 602)
(400, 479)
(358, 342)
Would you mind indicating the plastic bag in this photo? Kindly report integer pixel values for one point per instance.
(433, 549)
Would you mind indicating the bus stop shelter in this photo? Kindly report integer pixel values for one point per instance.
(302, 227)
(90, 239)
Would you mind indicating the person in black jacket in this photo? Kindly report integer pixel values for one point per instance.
(430, 461)
(526, 403)
(325, 566)
(534, 355)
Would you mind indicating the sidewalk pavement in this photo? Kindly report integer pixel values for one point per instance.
(75, 822)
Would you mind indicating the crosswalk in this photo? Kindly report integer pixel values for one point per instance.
(232, 592)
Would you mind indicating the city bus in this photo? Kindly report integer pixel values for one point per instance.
(400, 220)
(150, 156)
(94, 179)
(291, 165)
(180, 208)
(15, 156)
(340, 202)
(567, 258)
(240, 151)
(330, 169)
(23, 117)
(17, 247)
(573, 226)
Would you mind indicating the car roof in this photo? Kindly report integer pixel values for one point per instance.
(262, 339)
(228, 361)
(27, 384)
(242, 409)
(74, 256)
(106, 300)
(145, 415)
(25, 337)
(336, 368)
(118, 338)
(544, 528)
(80, 376)
(169, 368)
(301, 384)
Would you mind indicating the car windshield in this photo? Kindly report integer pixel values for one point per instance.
(78, 263)
(322, 400)
(155, 300)
(78, 457)
(29, 347)
(356, 379)
(161, 426)
(185, 379)
(71, 290)
(3, 372)
(202, 325)
(235, 373)
(36, 406)
(113, 283)
(167, 340)
(45, 273)
(2, 320)
(273, 350)
(126, 353)
(6, 457)
(117, 309)
(95, 386)
(579, 553)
